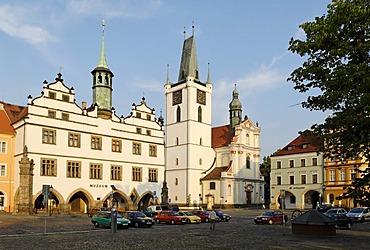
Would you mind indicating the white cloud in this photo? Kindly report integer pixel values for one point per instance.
(13, 23)
(120, 8)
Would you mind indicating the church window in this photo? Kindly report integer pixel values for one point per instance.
(74, 140)
(199, 114)
(136, 174)
(176, 181)
(96, 171)
(153, 175)
(116, 172)
(177, 140)
(248, 163)
(178, 114)
(201, 141)
(100, 79)
(212, 185)
(48, 136)
(96, 142)
(73, 169)
(177, 161)
(106, 80)
(48, 167)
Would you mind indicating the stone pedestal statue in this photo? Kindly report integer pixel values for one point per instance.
(25, 205)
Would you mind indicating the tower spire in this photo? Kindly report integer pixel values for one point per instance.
(189, 61)
(102, 61)
(168, 75)
(209, 75)
(235, 110)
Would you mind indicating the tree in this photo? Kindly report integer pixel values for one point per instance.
(265, 170)
(336, 75)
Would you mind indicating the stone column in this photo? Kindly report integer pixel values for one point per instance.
(25, 184)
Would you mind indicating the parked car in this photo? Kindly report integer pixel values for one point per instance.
(138, 219)
(359, 214)
(203, 215)
(271, 217)
(222, 215)
(342, 220)
(333, 212)
(92, 211)
(324, 207)
(190, 217)
(170, 217)
(103, 218)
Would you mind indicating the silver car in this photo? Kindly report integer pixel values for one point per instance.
(359, 214)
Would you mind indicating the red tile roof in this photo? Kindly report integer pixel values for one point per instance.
(5, 126)
(221, 136)
(215, 174)
(302, 144)
(14, 112)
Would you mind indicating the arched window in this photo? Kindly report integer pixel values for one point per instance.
(177, 140)
(199, 114)
(106, 80)
(200, 161)
(178, 114)
(248, 162)
(177, 161)
(100, 79)
(176, 182)
(201, 141)
(229, 189)
(247, 139)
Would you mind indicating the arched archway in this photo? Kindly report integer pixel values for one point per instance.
(145, 200)
(2, 201)
(286, 201)
(311, 199)
(55, 199)
(80, 201)
(120, 201)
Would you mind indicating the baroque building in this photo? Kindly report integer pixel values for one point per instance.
(88, 155)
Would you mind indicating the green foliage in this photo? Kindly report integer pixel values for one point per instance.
(337, 66)
(265, 167)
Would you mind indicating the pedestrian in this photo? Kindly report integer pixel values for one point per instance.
(212, 218)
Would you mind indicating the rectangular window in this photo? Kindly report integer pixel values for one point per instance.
(314, 161)
(314, 179)
(48, 167)
(116, 173)
(342, 175)
(303, 162)
(292, 199)
(303, 179)
(291, 180)
(138, 130)
(332, 175)
(291, 163)
(136, 174)
(116, 145)
(65, 98)
(96, 171)
(96, 142)
(65, 117)
(278, 180)
(136, 148)
(52, 95)
(148, 132)
(74, 140)
(2, 170)
(48, 136)
(138, 114)
(3, 146)
(212, 185)
(153, 150)
(73, 169)
(278, 164)
(148, 117)
(353, 174)
(52, 114)
(153, 175)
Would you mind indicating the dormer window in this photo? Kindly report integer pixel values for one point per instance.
(290, 148)
(305, 145)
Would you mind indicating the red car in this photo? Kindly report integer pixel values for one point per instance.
(170, 217)
(204, 215)
(271, 217)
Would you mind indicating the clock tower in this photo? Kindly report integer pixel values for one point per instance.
(188, 129)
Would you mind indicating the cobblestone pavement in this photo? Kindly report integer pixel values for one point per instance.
(77, 232)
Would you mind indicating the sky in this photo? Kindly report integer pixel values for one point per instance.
(245, 43)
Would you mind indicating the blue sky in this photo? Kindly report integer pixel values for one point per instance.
(245, 42)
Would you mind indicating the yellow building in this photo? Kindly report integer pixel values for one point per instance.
(339, 175)
(8, 114)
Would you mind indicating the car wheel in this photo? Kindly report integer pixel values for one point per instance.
(206, 220)
(157, 221)
(136, 224)
(271, 222)
(172, 222)
(96, 224)
(349, 225)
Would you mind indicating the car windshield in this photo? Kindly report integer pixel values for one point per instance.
(357, 210)
(219, 212)
(267, 213)
(188, 213)
(139, 214)
(332, 211)
(174, 213)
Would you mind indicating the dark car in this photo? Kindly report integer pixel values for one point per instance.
(340, 217)
(138, 219)
(222, 216)
(271, 217)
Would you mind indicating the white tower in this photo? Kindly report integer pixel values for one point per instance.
(188, 130)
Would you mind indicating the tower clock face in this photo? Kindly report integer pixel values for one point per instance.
(201, 97)
(177, 97)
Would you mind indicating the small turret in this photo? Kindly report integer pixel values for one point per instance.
(235, 110)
